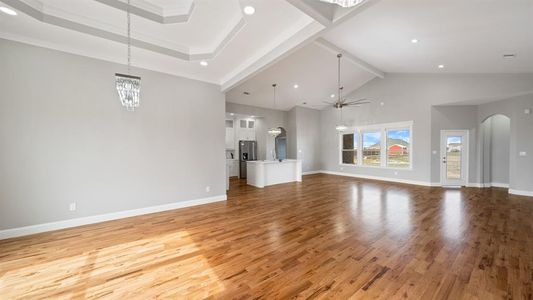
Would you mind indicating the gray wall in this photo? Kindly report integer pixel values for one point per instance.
(500, 141)
(411, 97)
(305, 125)
(454, 118)
(65, 138)
(521, 139)
(268, 118)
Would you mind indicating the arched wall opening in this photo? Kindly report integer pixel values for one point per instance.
(496, 131)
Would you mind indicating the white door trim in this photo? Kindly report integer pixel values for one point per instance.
(465, 162)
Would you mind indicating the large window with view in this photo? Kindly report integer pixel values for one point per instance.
(383, 145)
(398, 148)
(349, 148)
(372, 148)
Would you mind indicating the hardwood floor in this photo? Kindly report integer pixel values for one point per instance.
(328, 237)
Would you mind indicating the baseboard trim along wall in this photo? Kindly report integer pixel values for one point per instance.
(396, 180)
(521, 193)
(33, 229)
(311, 172)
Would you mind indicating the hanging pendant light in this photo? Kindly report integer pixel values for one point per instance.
(274, 131)
(128, 86)
(340, 126)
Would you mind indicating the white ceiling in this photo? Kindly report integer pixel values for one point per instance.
(168, 36)
(313, 68)
(285, 41)
(467, 36)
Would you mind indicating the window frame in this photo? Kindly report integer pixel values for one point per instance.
(355, 147)
(383, 129)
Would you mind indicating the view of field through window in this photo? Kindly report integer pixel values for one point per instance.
(398, 148)
(372, 148)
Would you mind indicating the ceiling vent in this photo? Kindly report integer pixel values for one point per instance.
(247, 93)
(509, 56)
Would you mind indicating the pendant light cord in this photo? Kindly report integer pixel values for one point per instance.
(129, 37)
(339, 76)
(274, 85)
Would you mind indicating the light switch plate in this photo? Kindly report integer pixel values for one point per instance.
(522, 153)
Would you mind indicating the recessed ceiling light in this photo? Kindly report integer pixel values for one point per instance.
(203, 63)
(249, 10)
(414, 41)
(232, 114)
(332, 96)
(441, 66)
(8, 11)
(252, 116)
(296, 86)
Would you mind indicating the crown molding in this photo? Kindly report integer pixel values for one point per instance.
(55, 16)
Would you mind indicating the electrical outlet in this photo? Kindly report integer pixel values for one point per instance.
(522, 153)
(207, 189)
(72, 206)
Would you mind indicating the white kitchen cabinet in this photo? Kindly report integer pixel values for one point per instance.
(233, 167)
(230, 135)
(246, 130)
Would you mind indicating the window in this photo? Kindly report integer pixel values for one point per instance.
(398, 148)
(349, 148)
(372, 148)
(384, 145)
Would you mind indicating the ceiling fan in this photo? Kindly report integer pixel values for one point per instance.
(341, 101)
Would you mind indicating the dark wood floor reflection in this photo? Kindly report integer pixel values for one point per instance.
(328, 237)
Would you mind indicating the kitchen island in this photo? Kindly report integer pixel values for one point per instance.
(263, 173)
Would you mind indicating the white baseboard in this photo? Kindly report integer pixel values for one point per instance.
(521, 193)
(397, 180)
(311, 172)
(33, 229)
(499, 185)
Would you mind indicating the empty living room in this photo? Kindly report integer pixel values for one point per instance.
(266, 149)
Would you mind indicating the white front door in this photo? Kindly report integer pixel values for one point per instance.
(454, 157)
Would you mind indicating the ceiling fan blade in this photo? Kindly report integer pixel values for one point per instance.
(357, 102)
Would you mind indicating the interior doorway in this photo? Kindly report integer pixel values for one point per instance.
(454, 157)
(496, 131)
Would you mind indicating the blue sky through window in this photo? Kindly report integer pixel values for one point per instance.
(402, 134)
(371, 138)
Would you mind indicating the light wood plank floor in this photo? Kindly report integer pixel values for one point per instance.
(328, 237)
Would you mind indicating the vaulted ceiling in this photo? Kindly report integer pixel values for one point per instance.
(286, 41)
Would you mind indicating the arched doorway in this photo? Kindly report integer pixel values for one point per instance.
(496, 131)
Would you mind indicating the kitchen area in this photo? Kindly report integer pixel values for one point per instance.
(255, 155)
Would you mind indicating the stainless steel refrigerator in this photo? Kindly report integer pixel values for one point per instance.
(247, 151)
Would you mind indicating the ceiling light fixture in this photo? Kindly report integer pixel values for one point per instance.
(8, 11)
(128, 86)
(296, 86)
(203, 63)
(332, 96)
(414, 41)
(441, 66)
(249, 10)
(344, 3)
(274, 131)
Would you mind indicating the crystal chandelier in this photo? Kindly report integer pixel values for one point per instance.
(344, 3)
(274, 131)
(128, 86)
